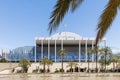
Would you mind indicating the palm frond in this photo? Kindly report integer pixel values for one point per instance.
(107, 18)
(61, 8)
(75, 4)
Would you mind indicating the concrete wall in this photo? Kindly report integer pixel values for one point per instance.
(57, 65)
(4, 66)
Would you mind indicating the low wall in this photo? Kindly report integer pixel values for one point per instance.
(4, 66)
(57, 65)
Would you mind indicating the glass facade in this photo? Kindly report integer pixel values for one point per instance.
(21, 52)
(29, 52)
(72, 52)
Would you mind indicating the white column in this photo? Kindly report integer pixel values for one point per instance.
(86, 49)
(48, 49)
(55, 50)
(79, 49)
(61, 44)
(41, 49)
(92, 49)
(35, 51)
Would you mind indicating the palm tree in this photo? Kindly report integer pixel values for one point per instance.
(89, 51)
(62, 53)
(96, 50)
(104, 62)
(106, 19)
(43, 62)
(61, 8)
(115, 59)
(106, 51)
(71, 64)
(49, 62)
(24, 63)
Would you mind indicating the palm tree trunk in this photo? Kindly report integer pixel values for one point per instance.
(48, 68)
(116, 65)
(88, 62)
(71, 69)
(96, 62)
(62, 62)
(113, 66)
(44, 67)
(105, 62)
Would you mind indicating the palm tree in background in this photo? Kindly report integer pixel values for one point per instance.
(115, 59)
(62, 53)
(49, 62)
(106, 18)
(43, 62)
(88, 54)
(96, 50)
(71, 64)
(106, 51)
(104, 62)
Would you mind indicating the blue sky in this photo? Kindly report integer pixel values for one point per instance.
(23, 20)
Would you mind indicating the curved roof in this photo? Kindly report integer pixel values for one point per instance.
(66, 35)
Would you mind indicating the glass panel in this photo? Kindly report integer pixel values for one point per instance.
(52, 52)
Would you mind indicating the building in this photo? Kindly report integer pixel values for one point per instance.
(22, 52)
(5, 53)
(75, 45)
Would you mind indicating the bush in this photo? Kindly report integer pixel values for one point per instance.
(76, 69)
(48, 70)
(24, 63)
(35, 71)
(3, 60)
(56, 70)
(71, 69)
(61, 70)
(19, 71)
(42, 71)
(13, 70)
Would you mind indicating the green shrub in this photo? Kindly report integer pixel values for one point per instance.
(3, 60)
(24, 63)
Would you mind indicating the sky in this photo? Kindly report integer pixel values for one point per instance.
(23, 20)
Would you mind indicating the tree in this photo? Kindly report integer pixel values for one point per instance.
(71, 64)
(95, 51)
(60, 9)
(115, 58)
(43, 62)
(103, 61)
(3, 60)
(24, 63)
(106, 19)
(49, 62)
(107, 52)
(62, 53)
(88, 53)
